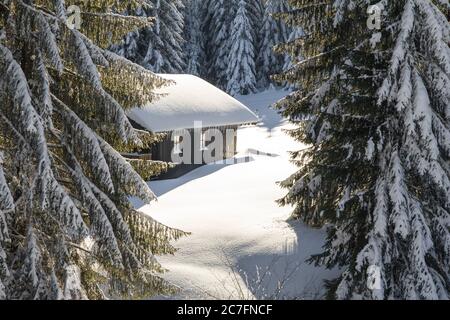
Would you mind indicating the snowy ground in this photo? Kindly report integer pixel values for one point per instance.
(241, 246)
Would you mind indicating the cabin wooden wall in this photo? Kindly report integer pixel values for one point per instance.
(163, 150)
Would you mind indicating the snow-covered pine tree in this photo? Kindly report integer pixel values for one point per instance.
(374, 108)
(241, 78)
(67, 228)
(216, 30)
(129, 47)
(150, 43)
(193, 51)
(158, 48)
(169, 35)
(273, 32)
(255, 10)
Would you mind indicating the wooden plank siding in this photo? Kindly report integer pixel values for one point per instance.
(163, 150)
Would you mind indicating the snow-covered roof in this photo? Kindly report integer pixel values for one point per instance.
(191, 99)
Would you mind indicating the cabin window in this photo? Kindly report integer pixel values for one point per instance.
(231, 143)
(203, 141)
(177, 144)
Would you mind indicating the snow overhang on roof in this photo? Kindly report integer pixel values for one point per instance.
(189, 100)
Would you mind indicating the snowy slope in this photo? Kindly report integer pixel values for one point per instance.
(241, 245)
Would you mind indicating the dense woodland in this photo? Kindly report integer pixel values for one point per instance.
(228, 42)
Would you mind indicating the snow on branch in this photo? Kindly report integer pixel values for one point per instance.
(53, 195)
(48, 42)
(100, 225)
(399, 52)
(122, 171)
(86, 143)
(137, 83)
(6, 199)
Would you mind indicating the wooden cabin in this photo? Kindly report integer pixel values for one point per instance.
(189, 101)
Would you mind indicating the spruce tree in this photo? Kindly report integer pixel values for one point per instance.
(159, 47)
(255, 9)
(374, 107)
(241, 76)
(193, 51)
(67, 227)
(273, 32)
(162, 43)
(129, 47)
(216, 28)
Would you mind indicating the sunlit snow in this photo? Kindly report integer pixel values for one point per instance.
(242, 245)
